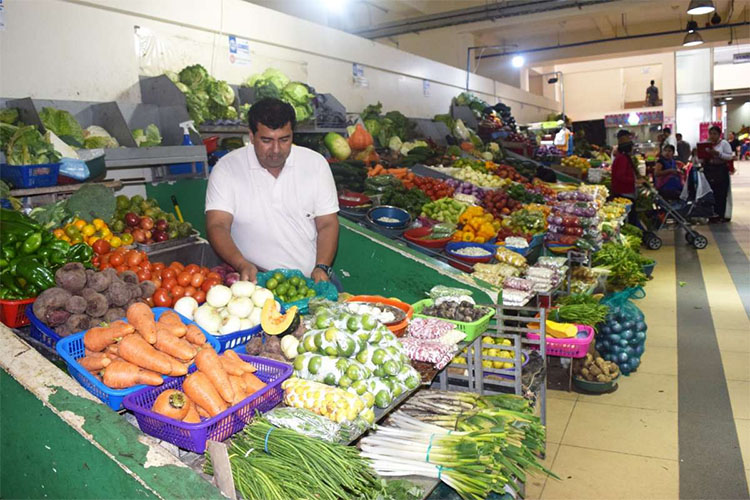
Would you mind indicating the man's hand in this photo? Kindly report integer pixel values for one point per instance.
(319, 275)
(248, 272)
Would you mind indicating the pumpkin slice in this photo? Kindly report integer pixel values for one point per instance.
(275, 323)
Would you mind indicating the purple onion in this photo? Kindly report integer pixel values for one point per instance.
(231, 278)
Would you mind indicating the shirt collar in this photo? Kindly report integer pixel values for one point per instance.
(255, 163)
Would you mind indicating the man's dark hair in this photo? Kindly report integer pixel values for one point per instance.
(670, 147)
(273, 113)
(715, 128)
(678, 136)
(623, 132)
(652, 82)
(667, 130)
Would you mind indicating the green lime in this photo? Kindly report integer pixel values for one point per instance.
(310, 293)
(368, 322)
(345, 382)
(295, 281)
(272, 284)
(281, 289)
(330, 379)
(279, 277)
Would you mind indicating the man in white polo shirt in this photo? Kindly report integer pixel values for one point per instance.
(273, 204)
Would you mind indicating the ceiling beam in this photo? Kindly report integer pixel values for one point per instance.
(605, 26)
(510, 8)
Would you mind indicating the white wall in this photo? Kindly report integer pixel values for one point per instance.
(731, 76)
(85, 50)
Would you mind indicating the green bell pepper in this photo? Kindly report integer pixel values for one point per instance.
(32, 270)
(58, 258)
(32, 243)
(19, 232)
(8, 283)
(59, 245)
(80, 252)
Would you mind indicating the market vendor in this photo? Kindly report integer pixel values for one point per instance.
(272, 204)
(625, 173)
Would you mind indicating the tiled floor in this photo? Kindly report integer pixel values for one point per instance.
(625, 444)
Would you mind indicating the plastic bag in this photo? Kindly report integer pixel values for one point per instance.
(622, 337)
(441, 293)
(75, 169)
(313, 425)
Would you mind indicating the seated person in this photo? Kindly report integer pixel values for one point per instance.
(666, 176)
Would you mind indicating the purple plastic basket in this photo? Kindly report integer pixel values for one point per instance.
(193, 437)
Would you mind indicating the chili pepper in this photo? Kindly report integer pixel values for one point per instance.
(80, 252)
(13, 264)
(35, 273)
(9, 283)
(32, 243)
(31, 291)
(7, 252)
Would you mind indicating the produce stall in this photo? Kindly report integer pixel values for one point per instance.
(479, 273)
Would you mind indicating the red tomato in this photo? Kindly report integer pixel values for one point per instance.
(143, 275)
(156, 267)
(117, 259)
(213, 275)
(168, 273)
(177, 292)
(197, 280)
(200, 296)
(204, 270)
(101, 246)
(177, 266)
(105, 266)
(156, 281)
(145, 264)
(190, 291)
(162, 298)
(134, 258)
(169, 283)
(206, 286)
(183, 279)
(121, 269)
(192, 268)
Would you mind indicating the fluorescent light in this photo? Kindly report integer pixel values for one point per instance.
(692, 39)
(633, 119)
(700, 7)
(517, 61)
(334, 5)
(728, 98)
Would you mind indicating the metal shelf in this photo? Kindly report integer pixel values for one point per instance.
(155, 156)
(63, 189)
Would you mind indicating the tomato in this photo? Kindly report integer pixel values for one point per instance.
(168, 273)
(121, 268)
(197, 280)
(215, 276)
(190, 291)
(169, 283)
(177, 266)
(156, 267)
(156, 281)
(183, 279)
(162, 298)
(206, 286)
(177, 292)
(101, 246)
(204, 270)
(200, 296)
(134, 258)
(104, 266)
(117, 259)
(192, 268)
(143, 275)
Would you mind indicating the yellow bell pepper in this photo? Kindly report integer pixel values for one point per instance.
(468, 236)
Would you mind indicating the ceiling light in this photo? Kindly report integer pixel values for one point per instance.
(700, 7)
(334, 5)
(517, 61)
(728, 98)
(552, 80)
(692, 39)
(716, 18)
(633, 119)
(692, 26)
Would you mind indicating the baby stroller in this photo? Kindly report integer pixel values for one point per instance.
(661, 211)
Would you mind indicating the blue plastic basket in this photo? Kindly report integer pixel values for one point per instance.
(39, 331)
(323, 289)
(71, 349)
(30, 176)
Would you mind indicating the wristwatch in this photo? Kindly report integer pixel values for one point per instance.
(326, 269)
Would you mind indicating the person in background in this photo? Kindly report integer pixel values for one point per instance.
(652, 95)
(666, 175)
(272, 204)
(683, 149)
(625, 173)
(667, 138)
(717, 173)
(734, 142)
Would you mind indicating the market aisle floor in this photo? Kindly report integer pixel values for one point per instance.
(627, 444)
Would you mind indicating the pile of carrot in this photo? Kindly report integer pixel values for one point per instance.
(123, 354)
(403, 174)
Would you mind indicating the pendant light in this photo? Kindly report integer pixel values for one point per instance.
(692, 39)
(700, 7)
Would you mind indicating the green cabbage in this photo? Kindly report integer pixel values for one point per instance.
(296, 92)
(395, 144)
(221, 92)
(27, 147)
(276, 77)
(195, 76)
(302, 111)
(6, 132)
(231, 113)
(147, 138)
(373, 126)
(63, 124)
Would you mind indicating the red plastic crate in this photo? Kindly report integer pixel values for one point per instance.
(13, 312)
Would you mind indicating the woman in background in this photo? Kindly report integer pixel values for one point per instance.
(716, 169)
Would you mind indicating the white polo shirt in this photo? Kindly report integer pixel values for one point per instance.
(274, 217)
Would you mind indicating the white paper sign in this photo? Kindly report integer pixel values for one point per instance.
(358, 76)
(239, 51)
(426, 88)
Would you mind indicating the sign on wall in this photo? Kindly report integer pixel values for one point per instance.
(239, 51)
(358, 76)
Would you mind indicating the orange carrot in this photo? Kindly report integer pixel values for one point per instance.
(252, 383)
(192, 416)
(178, 368)
(121, 375)
(247, 367)
(199, 388)
(94, 363)
(174, 346)
(238, 386)
(194, 335)
(172, 403)
(136, 350)
(230, 366)
(172, 323)
(142, 318)
(201, 412)
(98, 338)
(209, 363)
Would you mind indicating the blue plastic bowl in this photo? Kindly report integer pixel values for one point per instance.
(452, 247)
(400, 214)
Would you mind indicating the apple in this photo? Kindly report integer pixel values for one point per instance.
(160, 236)
(162, 225)
(132, 220)
(147, 223)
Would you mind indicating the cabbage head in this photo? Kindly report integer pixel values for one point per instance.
(95, 137)
(296, 93)
(197, 105)
(264, 88)
(231, 113)
(63, 124)
(302, 111)
(276, 77)
(147, 138)
(195, 76)
(373, 127)
(221, 92)
(182, 87)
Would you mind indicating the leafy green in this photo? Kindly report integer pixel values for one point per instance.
(9, 115)
(50, 216)
(92, 201)
(63, 124)
(27, 147)
(373, 126)
(447, 119)
(195, 77)
(147, 138)
(372, 112)
(221, 93)
(6, 132)
(95, 137)
(264, 89)
(296, 92)
(5, 195)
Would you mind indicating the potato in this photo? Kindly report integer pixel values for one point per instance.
(595, 370)
(602, 378)
(585, 372)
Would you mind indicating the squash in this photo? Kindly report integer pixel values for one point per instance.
(275, 323)
(360, 139)
(561, 330)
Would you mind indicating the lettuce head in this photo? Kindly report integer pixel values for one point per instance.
(276, 77)
(195, 76)
(63, 124)
(296, 93)
(147, 138)
(221, 92)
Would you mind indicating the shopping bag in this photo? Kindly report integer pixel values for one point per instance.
(622, 337)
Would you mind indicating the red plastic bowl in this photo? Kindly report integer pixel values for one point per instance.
(418, 235)
(350, 199)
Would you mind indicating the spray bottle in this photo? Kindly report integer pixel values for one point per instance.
(186, 128)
